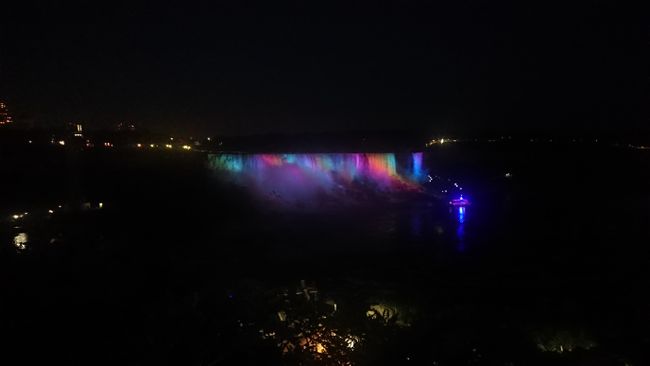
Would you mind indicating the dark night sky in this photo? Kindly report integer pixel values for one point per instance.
(241, 68)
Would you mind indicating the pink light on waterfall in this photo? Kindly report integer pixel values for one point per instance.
(305, 176)
(271, 159)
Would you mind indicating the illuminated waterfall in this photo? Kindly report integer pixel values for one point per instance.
(302, 177)
(417, 165)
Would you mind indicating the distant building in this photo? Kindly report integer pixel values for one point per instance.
(5, 117)
(76, 129)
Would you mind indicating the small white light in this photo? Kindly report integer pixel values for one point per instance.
(50, 211)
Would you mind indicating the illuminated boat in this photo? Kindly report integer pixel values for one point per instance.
(460, 202)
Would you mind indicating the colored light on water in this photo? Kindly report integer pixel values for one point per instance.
(20, 241)
(460, 202)
(460, 230)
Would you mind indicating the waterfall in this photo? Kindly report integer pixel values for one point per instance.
(306, 176)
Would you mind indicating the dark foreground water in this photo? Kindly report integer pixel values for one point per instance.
(549, 265)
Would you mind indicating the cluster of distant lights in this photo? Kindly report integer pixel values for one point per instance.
(5, 118)
(166, 146)
(21, 239)
(108, 144)
(22, 215)
(440, 141)
(445, 140)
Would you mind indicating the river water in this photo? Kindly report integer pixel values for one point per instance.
(186, 262)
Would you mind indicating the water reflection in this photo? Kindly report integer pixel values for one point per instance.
(461, 215)
(21, 240)
(460, 230)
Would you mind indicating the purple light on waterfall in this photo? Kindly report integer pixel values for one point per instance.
(305, 177)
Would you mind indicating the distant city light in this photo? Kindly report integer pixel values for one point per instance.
(50, 211)
(441, 141)
(101, 205)
(138, 145)
(187, 147)
(152, 145)
(5, 117)
(169, 146)
(62, 142)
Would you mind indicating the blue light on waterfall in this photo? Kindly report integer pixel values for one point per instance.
(318, 169)
(417, 164)
(293, 178)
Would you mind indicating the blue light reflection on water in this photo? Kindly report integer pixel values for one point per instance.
(460, 230)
